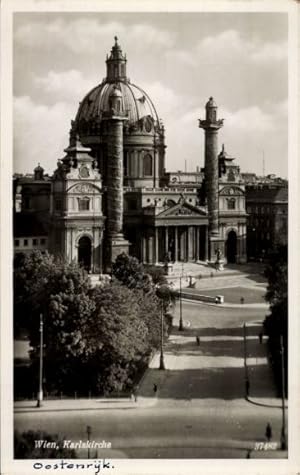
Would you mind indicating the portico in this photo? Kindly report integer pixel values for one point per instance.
(176, 234)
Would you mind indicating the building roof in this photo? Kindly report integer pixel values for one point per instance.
(267, 194)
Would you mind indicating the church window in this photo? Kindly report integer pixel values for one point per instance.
(58, 205)
(34, 242)
(125, 163)
(27, 202)
(231, 203)
(17, 242)
(83, 204)
(131, 204)
(148, 165)
(25, 242)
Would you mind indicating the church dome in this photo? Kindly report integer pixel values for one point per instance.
(135, 101)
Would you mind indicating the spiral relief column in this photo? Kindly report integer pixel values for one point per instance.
(115, 178)
(115, 242)
(211, 126)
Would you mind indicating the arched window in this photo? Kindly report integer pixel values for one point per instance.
(148, 165)
(83, 204)
(27, 202)
(125, 164)
(231, 203)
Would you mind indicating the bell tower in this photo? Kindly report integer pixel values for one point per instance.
(77, 222)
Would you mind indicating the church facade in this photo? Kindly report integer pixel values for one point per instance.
(111, 192)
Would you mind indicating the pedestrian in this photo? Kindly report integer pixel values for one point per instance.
(135, 393)
(261, 337)
(155, 388)
(198, 340)
(247, 387)
(268, 432)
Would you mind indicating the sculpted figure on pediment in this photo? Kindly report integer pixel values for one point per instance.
(83, 188)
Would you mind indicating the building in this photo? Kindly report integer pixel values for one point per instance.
(112, 194)
(267, 224)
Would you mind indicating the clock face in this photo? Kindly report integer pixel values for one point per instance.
(84, 172)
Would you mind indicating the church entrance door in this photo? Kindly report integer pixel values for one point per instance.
(85, 252)
(231, 247)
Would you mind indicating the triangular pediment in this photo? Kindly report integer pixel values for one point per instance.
(182, 209)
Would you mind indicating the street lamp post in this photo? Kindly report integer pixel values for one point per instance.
(283, 435)
(40, 392)
(161, 360)
(245, 361)
(180, 306)
(88, 431)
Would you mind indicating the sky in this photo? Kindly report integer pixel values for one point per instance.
(179, 59)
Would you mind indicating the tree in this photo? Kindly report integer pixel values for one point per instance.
(155, 291)
(38, 278)
(131, 272)
(116, 337)
(61, 292)
(276, 324)
(96, 339)
(157, 275)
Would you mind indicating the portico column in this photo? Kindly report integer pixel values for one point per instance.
(206, 243)
(183, 243)
(150, 250)
(144, 249)
(176, 243)
(156, 245)
(191, 249)
(166, 239)
(196, 244)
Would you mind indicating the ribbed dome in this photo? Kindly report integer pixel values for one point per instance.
(136, 102)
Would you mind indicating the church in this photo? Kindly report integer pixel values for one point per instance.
(111, 192)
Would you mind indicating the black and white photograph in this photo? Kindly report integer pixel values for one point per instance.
(149, 262)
